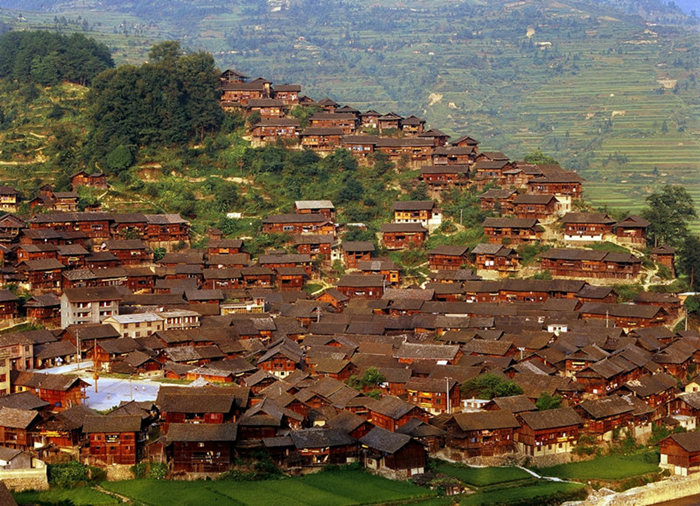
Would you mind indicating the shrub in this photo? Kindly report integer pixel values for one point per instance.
(68, 475)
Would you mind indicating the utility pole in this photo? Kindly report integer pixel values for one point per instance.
(77, 346)
(461, 213)
(447, 390)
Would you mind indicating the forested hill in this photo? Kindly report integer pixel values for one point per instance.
(608, 87)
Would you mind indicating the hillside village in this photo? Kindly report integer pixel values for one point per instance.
(370, 367)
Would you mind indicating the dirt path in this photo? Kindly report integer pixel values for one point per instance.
(122, 498)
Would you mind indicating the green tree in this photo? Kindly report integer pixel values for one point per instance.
(119, 159)
(689, 260)
(546, 401)
(539, 157)
(670, 209)
(490, 385)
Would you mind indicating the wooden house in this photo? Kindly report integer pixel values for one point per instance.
(282, 359)
(320, 446)
(360, 145)
(8, 199)
(582, 263)
(435, 395)
(512, 230)
(9, 305)
(60, 391)
(94, 180)
(665, 255)
(165, 230)
(288, 260)
(586, 227)
(355, 252)
(632, 230)
(498, 200)
(415, 211)
(114, 439)
(323, 139)
(200, 448)
(268, 130)
(602, 416)
(298, 224)
(398, 454)
(417, 150)
(390, 413)
(17, 427)
(436, 137)
(287, 93)
(315, 245)
(482, 434)
(324, 207)
(412, 125)
(266, 107)
(542, 207)
(237, 93)
(548, 432)
(403, 235)
(627, 316)
(361, 286)
(201, 405)
(453, 155)
(448, 257)
(388, 269)
(42, 275)
(496, 257)
(45, 309)
(680, 453)
(370, 119)
(444, 176)
(389, 121)
(346, 122)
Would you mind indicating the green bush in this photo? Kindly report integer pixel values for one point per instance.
(68, 475)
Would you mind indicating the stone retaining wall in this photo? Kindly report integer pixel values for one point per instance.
(19, 480)
(666, 490)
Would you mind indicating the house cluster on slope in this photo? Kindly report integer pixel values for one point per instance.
(368, 369)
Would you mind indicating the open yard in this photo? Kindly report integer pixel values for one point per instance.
(328, 488)
(482, 476)
(609, 467)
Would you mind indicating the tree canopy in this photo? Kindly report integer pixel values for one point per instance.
(49, 58)
(170, 100)
(489, 385)
(670, 210)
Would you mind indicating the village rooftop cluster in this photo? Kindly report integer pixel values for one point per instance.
(367, 370)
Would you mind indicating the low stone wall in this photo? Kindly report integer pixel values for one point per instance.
(19, 480)
(666, 490)
(118, 472)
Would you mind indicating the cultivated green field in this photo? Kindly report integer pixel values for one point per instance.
(482, 476)
(328, 488)
(83, 496)
(609, 467)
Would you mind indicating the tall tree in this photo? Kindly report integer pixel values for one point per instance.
(670, 209)
(200, 86)
(689, 260)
